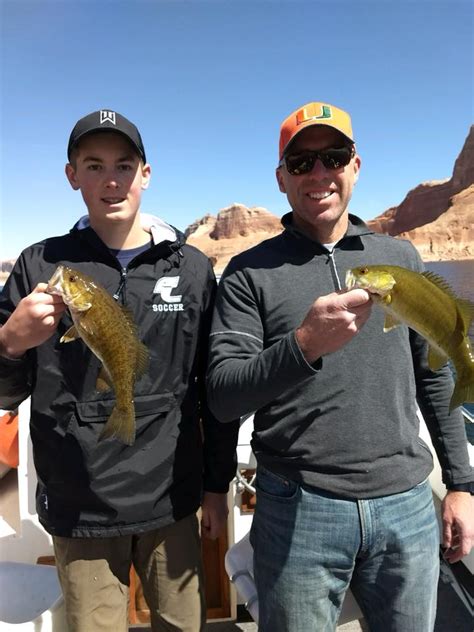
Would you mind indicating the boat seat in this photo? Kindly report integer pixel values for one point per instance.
(31, 598)
(239, 567)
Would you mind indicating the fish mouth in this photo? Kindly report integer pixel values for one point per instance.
(55, 282)
(353, 281)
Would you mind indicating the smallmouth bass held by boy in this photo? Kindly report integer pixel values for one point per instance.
(110, 333)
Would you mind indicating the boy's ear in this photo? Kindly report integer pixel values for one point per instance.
(146, 175)
(71, 176)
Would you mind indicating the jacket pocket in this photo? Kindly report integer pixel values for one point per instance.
(98, 411)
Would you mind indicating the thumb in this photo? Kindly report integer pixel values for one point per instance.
(41, 287)
(354, 298)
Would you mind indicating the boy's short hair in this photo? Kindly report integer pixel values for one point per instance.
(105, 121)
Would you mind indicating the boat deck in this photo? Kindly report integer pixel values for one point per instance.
(452, 613)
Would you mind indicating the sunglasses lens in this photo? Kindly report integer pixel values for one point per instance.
(334, 158)
(298, 164)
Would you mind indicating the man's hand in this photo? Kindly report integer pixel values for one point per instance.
(214, 514)
(457, 511)
(332, 321)
(34, 320)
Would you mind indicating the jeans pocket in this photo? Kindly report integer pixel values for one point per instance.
(275, 485)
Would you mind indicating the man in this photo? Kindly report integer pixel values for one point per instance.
(108, 504)
(342, 491)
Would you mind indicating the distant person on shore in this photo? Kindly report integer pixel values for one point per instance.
(105, 503)
(342, 480)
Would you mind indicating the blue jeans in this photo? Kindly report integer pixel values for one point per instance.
(309, 546)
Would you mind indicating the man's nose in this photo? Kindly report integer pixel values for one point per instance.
(318, 170)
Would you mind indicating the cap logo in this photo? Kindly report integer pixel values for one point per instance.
(107, 115)
(302, 116)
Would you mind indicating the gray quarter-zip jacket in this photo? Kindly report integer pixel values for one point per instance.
(347, 424)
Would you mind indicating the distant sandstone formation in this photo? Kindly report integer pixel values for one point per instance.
(235, 228)
(437, 216)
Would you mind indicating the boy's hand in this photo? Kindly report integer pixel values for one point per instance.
(214, 514)
(332, 321)
(34, 320)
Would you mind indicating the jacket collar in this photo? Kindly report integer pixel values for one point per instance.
(356, 227)
(159, 230)
(167, 240)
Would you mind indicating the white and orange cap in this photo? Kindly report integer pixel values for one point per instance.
(314, 113)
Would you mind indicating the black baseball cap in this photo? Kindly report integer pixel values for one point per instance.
(103, 121)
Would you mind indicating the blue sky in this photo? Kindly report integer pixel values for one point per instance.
(208, 84)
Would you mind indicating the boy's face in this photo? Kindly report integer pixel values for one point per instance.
(110, 176)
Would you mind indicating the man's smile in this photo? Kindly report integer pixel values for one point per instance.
(320, 195)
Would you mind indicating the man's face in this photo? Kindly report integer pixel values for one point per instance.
(110, 176)
(319, 199)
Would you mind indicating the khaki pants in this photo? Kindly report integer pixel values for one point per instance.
(94, 576)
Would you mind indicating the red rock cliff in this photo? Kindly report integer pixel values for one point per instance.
(438, 217)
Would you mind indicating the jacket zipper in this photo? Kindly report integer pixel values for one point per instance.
(335, 275)
(121, 288)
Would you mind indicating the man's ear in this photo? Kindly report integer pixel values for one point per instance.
(279, 177)
(71, 176)
(357, 163)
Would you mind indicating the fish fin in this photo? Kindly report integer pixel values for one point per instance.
(440, 282)
(104, 383)
(70, 335)
(465, 308)
(390, 322)
(143, 359)
(436, 359)
(463, 393)
(120, 425)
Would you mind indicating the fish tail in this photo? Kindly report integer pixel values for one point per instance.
(120, 425)
(463, 391)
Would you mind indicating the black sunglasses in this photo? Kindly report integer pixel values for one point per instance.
(332, 158)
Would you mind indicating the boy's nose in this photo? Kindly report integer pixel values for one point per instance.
(112, 183)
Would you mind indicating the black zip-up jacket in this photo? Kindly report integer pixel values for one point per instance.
(347, 424)
(90, 488)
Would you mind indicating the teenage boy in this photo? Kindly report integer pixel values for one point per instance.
(107, 504)
(342, 489)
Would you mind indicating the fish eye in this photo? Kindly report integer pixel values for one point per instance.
(364, 270)
(72, 278)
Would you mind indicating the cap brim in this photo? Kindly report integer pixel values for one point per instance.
(99, 130)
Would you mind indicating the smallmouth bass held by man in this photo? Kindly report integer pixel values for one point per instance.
(110, 333)
(425, 303)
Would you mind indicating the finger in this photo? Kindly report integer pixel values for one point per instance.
(447, 535)
(354, 298)
(41, 287)
(453, 554)
(48, 299)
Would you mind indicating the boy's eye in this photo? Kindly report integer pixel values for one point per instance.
(125, 167)
(93, 167)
